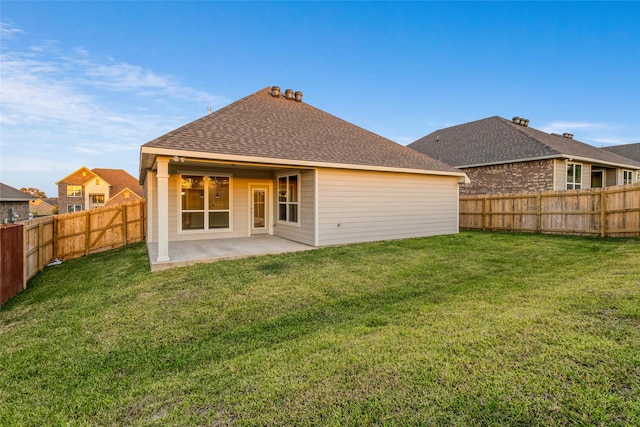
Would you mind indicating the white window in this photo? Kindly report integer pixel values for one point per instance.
(97, 199)
(74, 208)
(627, 177)
(289, 198)
(574, 176)
(205, 202)
(74, 190)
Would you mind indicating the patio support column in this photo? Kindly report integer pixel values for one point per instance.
(163, 209)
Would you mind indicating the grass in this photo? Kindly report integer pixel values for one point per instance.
(477, 328)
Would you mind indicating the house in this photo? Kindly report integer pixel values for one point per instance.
(630, 151)
(272, 164)
(508, 156)
(93, 188)
(43, 206)
(14, 204)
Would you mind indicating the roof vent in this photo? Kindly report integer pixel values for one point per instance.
(298, 96)
(288, 93)
(275, 91)
(568, 135)
(516, 120)
(524, 122)
(520, 121)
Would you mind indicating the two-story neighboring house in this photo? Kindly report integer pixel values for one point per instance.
(93, 188)
(508, 156)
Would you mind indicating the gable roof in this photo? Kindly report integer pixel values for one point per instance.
(119, 181)
(263, 128)
(10, 194)
(78, 177)
(630, 151)
(495, 140)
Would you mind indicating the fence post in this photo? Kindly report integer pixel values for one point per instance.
(87, 240)
(603, 214)
(538, 213)
(124, 225)
(40, 245)
(485, 202)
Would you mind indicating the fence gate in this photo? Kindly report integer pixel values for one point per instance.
(11, 261)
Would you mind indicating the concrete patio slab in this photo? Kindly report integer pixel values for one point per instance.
(200, 251)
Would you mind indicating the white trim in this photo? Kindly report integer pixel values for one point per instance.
(162, 178)
(299, 198)
(149, 195)
(287, 162)
(316, 229)
(581, 183)
(206, 176)
(267, 209)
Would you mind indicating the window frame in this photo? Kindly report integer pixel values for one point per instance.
(627, 176)
(92, 195)
(77, 193)
(288, 203)
(74, 210)
(573, 185)
(207, 177)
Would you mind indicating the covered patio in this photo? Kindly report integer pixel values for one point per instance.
(200, 251)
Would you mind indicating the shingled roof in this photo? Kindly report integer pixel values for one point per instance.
(119, 180)
(10, 194)
(274, 129)
(496, 140)
(630, 151)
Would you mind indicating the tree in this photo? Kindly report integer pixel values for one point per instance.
(34, 192)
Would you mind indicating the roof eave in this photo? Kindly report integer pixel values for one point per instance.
(148, 154)
(555, 156)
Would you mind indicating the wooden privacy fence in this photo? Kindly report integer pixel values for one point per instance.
(73, 235)
(612, 211)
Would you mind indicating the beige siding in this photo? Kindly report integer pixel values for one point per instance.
(360, 206)
(561, 174)
(305, 232)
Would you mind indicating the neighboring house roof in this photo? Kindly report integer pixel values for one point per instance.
(10, 194)
(119, 181)
(48, 201)
(78, 177)
(263, 128)
(630, 151)
(495, 140)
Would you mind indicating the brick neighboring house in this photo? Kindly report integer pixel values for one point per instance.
(508, 156)
(93, 188)
(43, 206)
(14, 204)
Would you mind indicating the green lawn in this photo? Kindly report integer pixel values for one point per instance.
(471, 329)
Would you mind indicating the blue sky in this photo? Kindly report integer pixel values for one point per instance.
(87, 83)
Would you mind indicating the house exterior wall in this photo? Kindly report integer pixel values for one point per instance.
(21, 209)
(241, 179)
(40, 208)
(362, 206)
(64, 201)
(95, 186)
(305, 231)
(512, 178)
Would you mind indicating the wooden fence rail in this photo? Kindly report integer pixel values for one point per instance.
(612, 211)
(75, 234)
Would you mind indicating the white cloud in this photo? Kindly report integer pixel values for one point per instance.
(561, 127)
